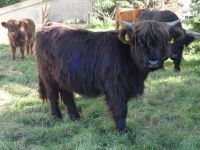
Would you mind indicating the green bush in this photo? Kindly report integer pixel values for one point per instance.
(125, 4)
(194, 47)
(98, 24)
(195, 23)
(195, 15)
(4, 3)
(105, 6)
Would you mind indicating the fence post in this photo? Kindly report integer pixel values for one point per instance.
(88, 18)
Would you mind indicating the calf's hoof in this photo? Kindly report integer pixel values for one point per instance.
(121, 127)
(56, 115)
(176, 70)
(13, 58)
(74, 118)
(22, 58)
(124, 131)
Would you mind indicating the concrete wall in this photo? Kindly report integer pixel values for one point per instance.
(59, 10)
(29, 9)
(69, 9)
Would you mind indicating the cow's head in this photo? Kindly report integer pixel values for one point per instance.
(12, 26)
(149, 42)
(178, 44)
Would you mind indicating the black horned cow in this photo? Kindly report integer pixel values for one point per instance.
(94, 63)
(21, 33)
(178, 44)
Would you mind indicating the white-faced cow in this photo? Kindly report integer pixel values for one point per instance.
(95, 63)
(178, 44)
(21, 33)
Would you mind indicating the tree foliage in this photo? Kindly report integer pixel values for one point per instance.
(4, 3)
(195, 11)
(106, 8)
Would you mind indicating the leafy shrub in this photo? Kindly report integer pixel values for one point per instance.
(105, 6)
(194, 47)
(125, 4)
(98, 24)
(4, 3)
(195, 23)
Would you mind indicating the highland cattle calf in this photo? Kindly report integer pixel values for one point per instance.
(95, 63)
(127, 14)
(21, 33)
(178, 44)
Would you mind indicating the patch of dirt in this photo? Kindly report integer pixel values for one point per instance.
(3, 36)
(4, 100)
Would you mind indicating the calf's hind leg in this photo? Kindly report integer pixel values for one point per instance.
(53, 96)
(68, 99)
(32, 48)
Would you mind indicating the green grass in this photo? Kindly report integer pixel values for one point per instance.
(166, 116)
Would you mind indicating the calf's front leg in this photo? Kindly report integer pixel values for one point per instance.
(27, 48)
(118, 106)
(13, 49)
(22, 49)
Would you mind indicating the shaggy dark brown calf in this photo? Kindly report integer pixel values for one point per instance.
(95, 63)
(21, 33)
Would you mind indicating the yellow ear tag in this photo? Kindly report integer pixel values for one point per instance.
(171, 41)
(127, 39)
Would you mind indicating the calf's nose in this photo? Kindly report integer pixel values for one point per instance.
(153, 64)
(173, 56)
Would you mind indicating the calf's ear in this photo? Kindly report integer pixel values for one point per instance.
(124, 36)
(176, 33)
(4, 24)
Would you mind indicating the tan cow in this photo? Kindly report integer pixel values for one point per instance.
(21, 33)
(127, 14)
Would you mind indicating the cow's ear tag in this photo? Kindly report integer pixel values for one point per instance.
(127, 39)
(124, 37)
(171, 41)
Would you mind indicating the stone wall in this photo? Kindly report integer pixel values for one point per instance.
(58, 10)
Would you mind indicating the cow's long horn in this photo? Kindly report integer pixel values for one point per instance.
(126, 23)
(173, 23)
(192, 33)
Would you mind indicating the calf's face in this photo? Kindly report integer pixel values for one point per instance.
(12, 26)
(149, 43)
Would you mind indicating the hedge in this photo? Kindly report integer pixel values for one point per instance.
(4, 3)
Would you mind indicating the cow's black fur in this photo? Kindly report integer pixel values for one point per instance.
(95, 63)
(178, 44)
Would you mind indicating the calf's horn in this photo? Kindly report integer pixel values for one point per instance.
(192, 33)
(173, 23)
(126, 24)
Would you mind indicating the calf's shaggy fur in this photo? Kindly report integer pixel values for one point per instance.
(21, 33)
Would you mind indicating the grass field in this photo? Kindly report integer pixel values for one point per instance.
(166, 116)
